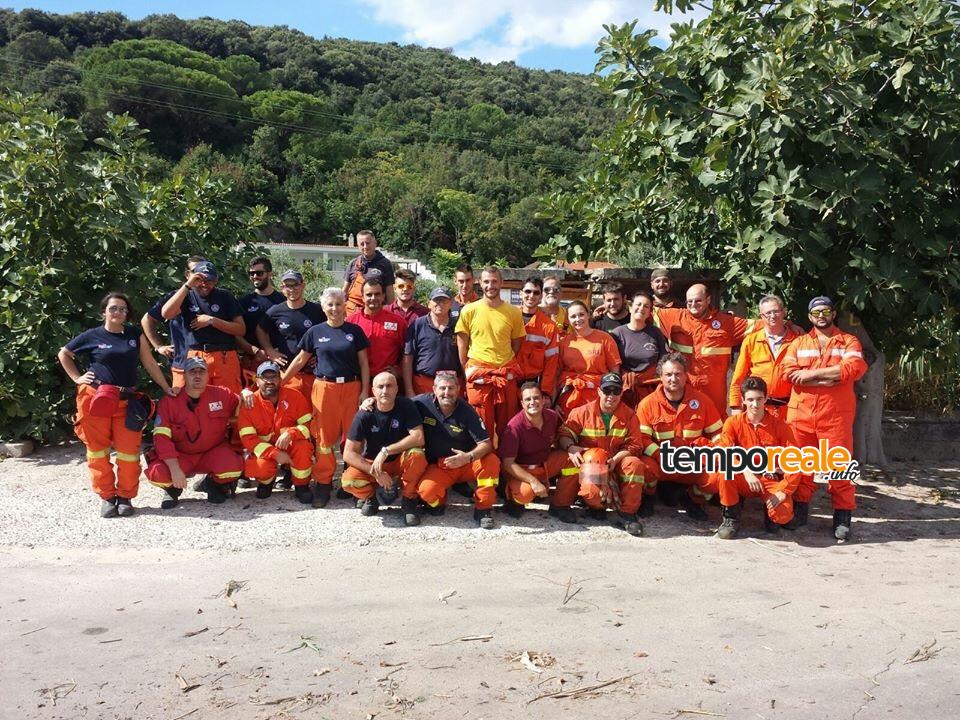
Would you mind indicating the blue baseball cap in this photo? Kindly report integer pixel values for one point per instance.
(440, 292)
(267, 366)
(192, 363)
(207, 269)
(819, 301)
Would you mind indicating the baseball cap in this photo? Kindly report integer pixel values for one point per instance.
(373, 274)
(192, 363)
(659, 273)
(440, 292)
(267, 366)
(292, 275)
(818, 301)
(611, 380)
(207, 269)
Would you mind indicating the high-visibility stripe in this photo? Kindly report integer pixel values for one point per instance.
(488, 482)
(538, 339)
(248, 430)
(650, 484)
(160, 430)
(688, 349)
(715, 351)
(664, 435)
(300, 473)
(650, 449)
(128, 457)
(638, 479)
(354, 482)
(303, 420)
(852, 353)
(414, 451)
(808, 353)
(570, 471)
(692, 433)
(321, 450)
(304, 430)
(435, 503)
(551, 352)
(713, 428)
(95, 454)
(646, 429)
(228, 474)
(265, 438)
(594, 432)
(837, 352)
(261, 448)
(618, 432)
(701, 493)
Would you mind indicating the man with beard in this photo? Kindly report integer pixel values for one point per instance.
(613, 313)
(539, 353)
(385, 330)
(370, 259)
(254, 305)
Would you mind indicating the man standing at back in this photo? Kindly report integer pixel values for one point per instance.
(405, 305)
(176, 351)
(385, 330)
(614, 312)
(539, 353)
(463, 279)
(254, 305)
(369, 259)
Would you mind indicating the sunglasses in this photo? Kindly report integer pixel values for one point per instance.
(257, 273)
(551, 291)
(532, 292)
(611, 391)
(118, 309)
(824, 312)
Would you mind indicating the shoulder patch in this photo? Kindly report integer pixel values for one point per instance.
(694, 404)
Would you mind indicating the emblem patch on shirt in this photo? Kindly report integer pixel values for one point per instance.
(322, 340)
(194, 308)
(455, 428)
(284, 404)
(375, 428)
(306, 322)
(252, 308)
(394, 423)
(214, 406)
(349, 336)
(649, 346)
(283, 325)
(104, 346)
(715, 324)
(694, 404)
(215, 308)
(390, 326)
(429, 421)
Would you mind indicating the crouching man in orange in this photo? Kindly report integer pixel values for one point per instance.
(275, 431)
(459, 449)
(684, 416)
(610, 425)
(384, 451)
(190, 438)
(755, 427)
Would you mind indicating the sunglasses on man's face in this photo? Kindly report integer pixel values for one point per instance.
(821, 313)
(531, 292)
(611, 391)
(551, 291)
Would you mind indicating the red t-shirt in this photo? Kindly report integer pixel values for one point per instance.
(386, 332)
(528, 444)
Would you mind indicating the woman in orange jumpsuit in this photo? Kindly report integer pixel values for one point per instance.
(586, 355)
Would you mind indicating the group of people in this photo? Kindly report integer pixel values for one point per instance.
(549, 401)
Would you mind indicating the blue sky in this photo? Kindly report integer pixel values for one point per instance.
(547, 34)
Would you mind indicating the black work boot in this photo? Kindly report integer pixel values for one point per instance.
(285, 479)
(172, 499)
(370, 507)
(648, 507)
(801, 512)
(597, 514)
(244, 483)
(343, 494)
(484, 519)
(563, 514)
(321, 495)
(124, 507)
(628, 522)
(730, 525)
(842, 524)
(463, 489)
(694, 511)
(303, 494)
(513, 509)
(216, 493)
(408, 507)
(108, 508)
(438, 511)
(264, 490)
(769, 526)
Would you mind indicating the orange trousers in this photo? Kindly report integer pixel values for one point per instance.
(408, 467)
(521, 491)
(221, 462)
(436, 480)
(422, 384)
(99, 434)
(223, 368)
(702, 486)
(496, 400)
(629, 475)
(334, 406)
(731, 491)
(301, 459)
(303, 383)
(838, 431)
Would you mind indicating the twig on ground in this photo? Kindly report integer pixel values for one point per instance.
(765, 547)
(579, 692)
(31, 632)
(925, 652)
(465, 638)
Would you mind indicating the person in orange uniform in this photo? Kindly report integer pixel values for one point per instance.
(641, 345)
(275, 432)
(489, 334)
(822, 367)
(370, 262)
(682, 415)
(539, 352)
(115, 349)
(528, 451)
(552, 305)
(385, 330)
(342, 383)
(661, 285)
(755, 427)
(761, 355)
(586, 354)
(384, 451)
(190, 438)
(707, 337)
(608, 424)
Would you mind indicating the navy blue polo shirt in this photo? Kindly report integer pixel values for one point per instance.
(286, 325)
(336, 349)
(220, 304)
(379, 262)
(178, 334)
(375, 428)
(431, 349)
(113, 357)
(462, 431)
(254, 305)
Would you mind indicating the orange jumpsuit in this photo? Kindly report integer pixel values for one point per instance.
(583, 361)
(334, 405)
(98, 434)
(492, 391)
(539, 353)
(707, 343)
(408, 466)
(825, 413)
(694, 422)
(586, 428)
(260, 426)
(738, 431)
(758, 360)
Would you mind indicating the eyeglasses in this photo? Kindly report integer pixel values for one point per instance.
(611, 390)
(771, 313)
(822, 312)
(290, 286)
(551, 291)
(531, 292)
(257, 273)
(118, 309)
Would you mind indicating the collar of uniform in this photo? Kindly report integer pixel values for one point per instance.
(440, 414)
(666, 402)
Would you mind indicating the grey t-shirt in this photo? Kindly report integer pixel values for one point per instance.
(639, 349)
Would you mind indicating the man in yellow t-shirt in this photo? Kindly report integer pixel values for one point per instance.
(489, 333)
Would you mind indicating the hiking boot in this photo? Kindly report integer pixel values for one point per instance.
(730, 525)
(671, 493)
(321, 495)
(597, 514)
(200, 483)
(124, 507)
(243, 483)
(343, 494)
(285, 479)
(264, 490)
(648, 507)
(563, 514)
(513, 509)
(108, 508)
(438, 511)
(370, 507)
(627, 522)
(769, 526)
(216, 493)
(801, 512)
(172, 499)
(408, 507)
(303, 494)
(484, 519)
(694, 511)
(842, 524)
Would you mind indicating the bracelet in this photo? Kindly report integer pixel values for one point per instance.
(384, 451)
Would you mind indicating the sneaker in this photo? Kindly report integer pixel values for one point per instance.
(215, 493)
(842, 524)
(172, 499)
(628, 522)
(108, 508)
(694, 511)
(801, 512)
(124, 507)
(243, 483)
(321, 495)
(513, 509)
(563, 514)
(597, 514)
(303, 494)
(285, 479)
(408, 506)
(264, 490)
(484, 518)
(648, 507)
(370, 507)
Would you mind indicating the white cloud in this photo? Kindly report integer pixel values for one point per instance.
(495, 30)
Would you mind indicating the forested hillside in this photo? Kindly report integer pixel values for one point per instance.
(331, 135)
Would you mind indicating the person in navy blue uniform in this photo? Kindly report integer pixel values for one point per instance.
(431, 345)
(174, 351)
(254, 305)
(370, 262)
